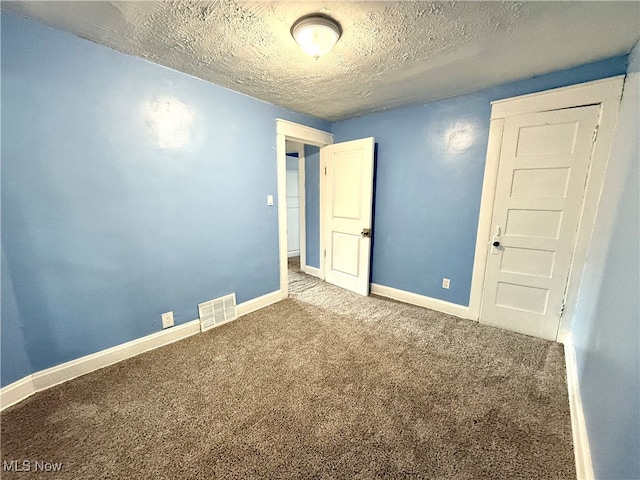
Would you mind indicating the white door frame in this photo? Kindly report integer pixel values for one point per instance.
(607, 94)
(286, 130)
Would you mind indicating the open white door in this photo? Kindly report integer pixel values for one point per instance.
(544, 164)
(346, 205)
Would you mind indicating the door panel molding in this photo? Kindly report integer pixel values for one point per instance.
(537, 220)
(346, 208)
(605, 93)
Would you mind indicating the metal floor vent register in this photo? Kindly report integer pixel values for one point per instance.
(218, 311)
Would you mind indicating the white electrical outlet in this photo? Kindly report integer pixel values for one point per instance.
(445, 283)
(167, 320)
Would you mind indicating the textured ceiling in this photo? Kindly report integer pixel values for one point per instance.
(391, 53)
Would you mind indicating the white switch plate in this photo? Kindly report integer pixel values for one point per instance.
(167, 320)
(445, 283)
(270, 200)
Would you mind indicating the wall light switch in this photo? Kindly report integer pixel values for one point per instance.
(270, 200)
(445, 283)
(167, 320)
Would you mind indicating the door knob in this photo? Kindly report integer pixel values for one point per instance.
(496, 241)
(366, 233)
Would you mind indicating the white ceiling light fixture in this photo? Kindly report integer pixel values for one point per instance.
(316, 34)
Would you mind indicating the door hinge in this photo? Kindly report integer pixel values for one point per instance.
(325, 170)
(325, 254)
(561, 309)
(595, 133)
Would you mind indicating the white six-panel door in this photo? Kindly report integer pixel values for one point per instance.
(544, 163)
(347, 200)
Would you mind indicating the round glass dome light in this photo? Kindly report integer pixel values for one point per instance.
(316, 34)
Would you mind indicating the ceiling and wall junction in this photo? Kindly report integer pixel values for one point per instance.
(391, 54)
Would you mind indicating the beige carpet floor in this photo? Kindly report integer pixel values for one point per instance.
(324, 385)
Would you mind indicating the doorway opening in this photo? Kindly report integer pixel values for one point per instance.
(297, 199)
(295, 195)
(298, 208)
(344, 186)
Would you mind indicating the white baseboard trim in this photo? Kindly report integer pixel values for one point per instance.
(16, 392)
(258, 303)
(44, 379)
(50, 377)
(584, 467)
(421, 300)
(293, 253)
(313, 271)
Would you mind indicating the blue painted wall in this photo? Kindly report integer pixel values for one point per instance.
(128, 190)
(430, 166)
(112, 213)
(606, 329)
(14, 360)
(312, 204)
